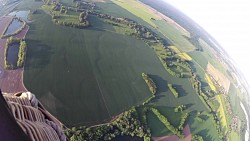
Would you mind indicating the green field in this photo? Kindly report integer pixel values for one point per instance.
(138, 10)
(88, 76)
(81, 71)
(158, 129)
(174, 35)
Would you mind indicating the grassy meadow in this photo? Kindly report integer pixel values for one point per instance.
(138, 10)
(174, 35)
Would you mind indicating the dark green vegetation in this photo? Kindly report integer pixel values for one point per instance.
(14, 53)
(173, 90)
(101, 70)
(67, 16)
(150, 83)
(127, 124)
(15, 27)
(166, 123)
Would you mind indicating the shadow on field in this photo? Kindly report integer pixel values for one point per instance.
(192, 66)
(203, 133)
(180, 90)
(189, 105)
(203, 84)
(38, 54)
(161, 84)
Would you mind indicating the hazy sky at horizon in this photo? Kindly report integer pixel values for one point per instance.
(228, 21)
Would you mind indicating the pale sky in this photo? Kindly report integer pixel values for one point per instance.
(228, 21)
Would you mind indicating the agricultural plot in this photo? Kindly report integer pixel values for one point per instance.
(95, 73)
(210, 82)
(220, 78)
(174, 35)
(138, 10)
(69, 17)
(209, 55)
(183, 55)
(222, 113)
(157, 127)
(10, 81)
(101, 71)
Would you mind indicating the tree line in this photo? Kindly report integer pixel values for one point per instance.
(21, 53)
(17, 31)
(173, 90)
(151, 84)
(127, 124)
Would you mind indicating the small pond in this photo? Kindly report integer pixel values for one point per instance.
(20, 14)
(12, 54)
(14, 26)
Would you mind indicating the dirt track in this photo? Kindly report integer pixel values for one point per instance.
(11, 81)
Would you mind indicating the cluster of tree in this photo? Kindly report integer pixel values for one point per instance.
(173, 90)
(17, 31)
(63, 10)
(168, 66)
(83, 17)
(84, 5)
(150, 83)
(183, 120)
(71, 24)
(205, 99)
(180, 108)
(141, 32)
(197, 86)
(83, 22)
(184, 64)
(21, 53)
(127, 124)
(56, 7)
(197, 138)
(124, 21)
(165, 121)
(148, 36)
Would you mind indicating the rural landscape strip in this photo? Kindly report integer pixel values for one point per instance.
(176, 64)
(148, 39)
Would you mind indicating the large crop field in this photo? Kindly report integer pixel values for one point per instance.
(222, 113)
(81, 71)
(174, 35)
(92, 75)
(138, 10)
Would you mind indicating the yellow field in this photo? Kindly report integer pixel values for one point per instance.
(210, 82)
(175, 49)
(219, 77)
(183, 55)
(138, 10)
(221, 112)
(234, 136)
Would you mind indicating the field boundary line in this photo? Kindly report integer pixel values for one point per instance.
(104, 101)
